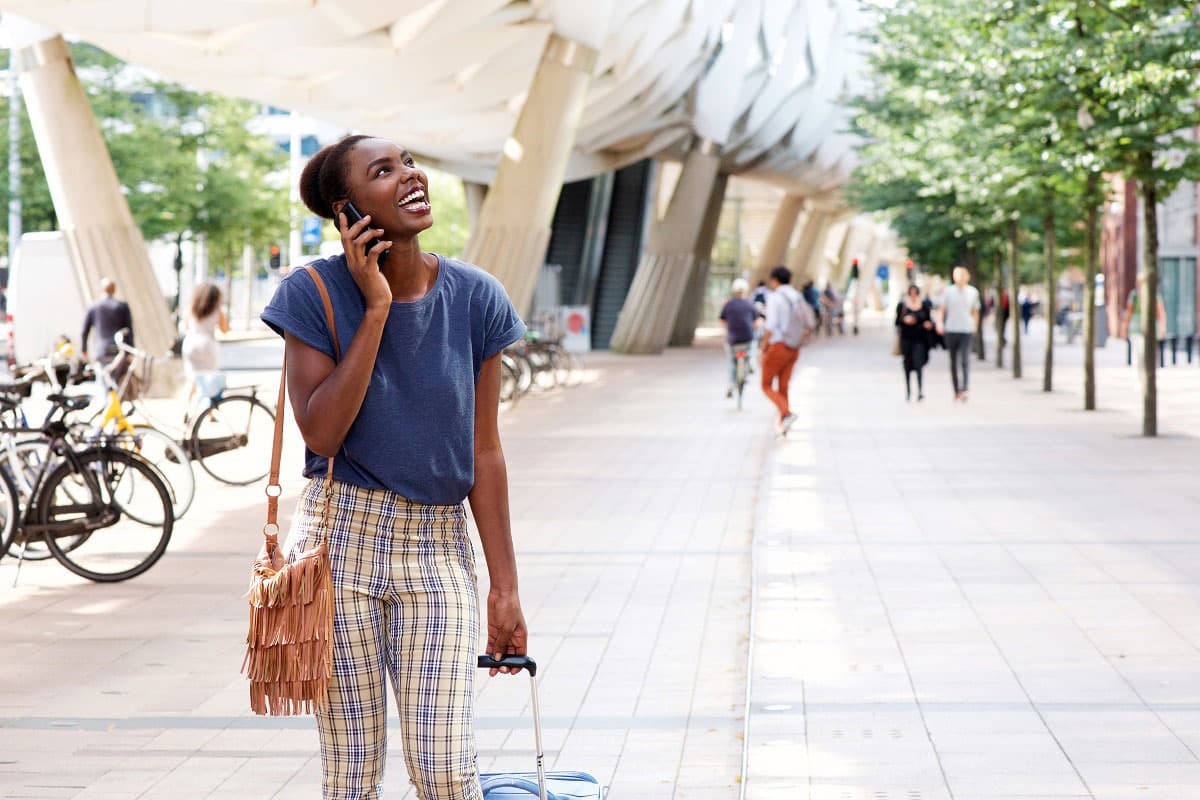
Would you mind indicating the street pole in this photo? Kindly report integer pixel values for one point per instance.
(295, 243)
(14, 167)
(250, 271)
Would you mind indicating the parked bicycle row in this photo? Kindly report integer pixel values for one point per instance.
(99, 490)
(536, 363)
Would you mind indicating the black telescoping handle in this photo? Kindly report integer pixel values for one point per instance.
(519, 662)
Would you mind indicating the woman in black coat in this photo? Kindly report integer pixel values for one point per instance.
(915, 326)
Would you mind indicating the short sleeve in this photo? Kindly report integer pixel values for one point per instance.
(502, 325)
(296, 309)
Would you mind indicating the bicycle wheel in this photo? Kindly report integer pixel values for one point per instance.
(22, 464)
(10, 513)
(560, 362)
(170, 459)
(524, 370)
(741, 379)
(118, 502)
(232, 437)
(509, 383)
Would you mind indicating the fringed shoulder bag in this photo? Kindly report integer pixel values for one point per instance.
(289, 648)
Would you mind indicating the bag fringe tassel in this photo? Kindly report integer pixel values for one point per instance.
(289, 647)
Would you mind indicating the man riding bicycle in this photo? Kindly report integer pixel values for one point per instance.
(739, 316)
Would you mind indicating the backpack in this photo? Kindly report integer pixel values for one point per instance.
(800, 312)
(803, 314)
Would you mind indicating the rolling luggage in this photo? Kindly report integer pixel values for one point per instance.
(559, 785)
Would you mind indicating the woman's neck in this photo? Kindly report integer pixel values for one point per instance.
(409, 272)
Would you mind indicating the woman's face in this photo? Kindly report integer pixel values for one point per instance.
(386, 184)
(914, 295)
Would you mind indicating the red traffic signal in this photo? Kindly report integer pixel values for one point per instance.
(275, 256)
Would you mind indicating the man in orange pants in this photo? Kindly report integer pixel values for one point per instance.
(782, 333)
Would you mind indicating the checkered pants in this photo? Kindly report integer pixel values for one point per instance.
(406, 606)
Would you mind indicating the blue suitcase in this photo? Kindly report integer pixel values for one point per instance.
(541, 784)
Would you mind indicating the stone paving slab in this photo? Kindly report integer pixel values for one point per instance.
(633, 497)
(990, 601)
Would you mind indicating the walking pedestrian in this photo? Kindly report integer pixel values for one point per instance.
(201, 351)
(1027, 306)
(106, 317)
(739, 316)
(958, 317)
(783, 332)
(761, 293)
(410, 412)
(914, 322)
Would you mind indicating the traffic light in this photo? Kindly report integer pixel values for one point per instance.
(274, 262)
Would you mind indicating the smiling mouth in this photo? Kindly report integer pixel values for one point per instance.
(414, 202)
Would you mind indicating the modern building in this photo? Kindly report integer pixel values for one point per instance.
(560, 115)
(1122, 259)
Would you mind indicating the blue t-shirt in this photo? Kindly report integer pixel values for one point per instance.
(739, 315)
(415, 432)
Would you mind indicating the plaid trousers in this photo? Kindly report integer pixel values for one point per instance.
(405, 607)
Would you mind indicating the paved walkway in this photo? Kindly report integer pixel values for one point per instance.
(634, 499)
(996, 600)
(974, 602)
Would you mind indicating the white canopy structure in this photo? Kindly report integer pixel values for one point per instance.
(518, 95)
(448, 78)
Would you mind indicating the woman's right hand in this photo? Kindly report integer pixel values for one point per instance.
(364, 264)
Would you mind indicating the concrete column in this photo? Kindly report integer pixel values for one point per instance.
(651, 308)
(692, 305)
(775, 248)
(805, 259)
(514, 220)
(474, 194)
(101, 236)
(859, 237)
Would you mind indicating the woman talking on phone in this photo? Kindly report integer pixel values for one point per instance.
(409, 414)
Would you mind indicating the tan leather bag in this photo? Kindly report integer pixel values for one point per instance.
(289, 647)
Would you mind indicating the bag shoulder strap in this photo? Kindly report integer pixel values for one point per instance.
(273, 490)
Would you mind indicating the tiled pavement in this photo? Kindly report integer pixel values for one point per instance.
(633, 499)
(996, 600)
(989, 601)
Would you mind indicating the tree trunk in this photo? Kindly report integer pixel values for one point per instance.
(971, 262)
(997, 310)
(1014, 283)
(1091, 248)
(1149, 299)
(1051, 241)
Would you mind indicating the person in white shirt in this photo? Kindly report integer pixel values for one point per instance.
(958, 319)
(783, 332)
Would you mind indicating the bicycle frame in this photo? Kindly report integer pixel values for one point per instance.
(58, 434)
(114, 412)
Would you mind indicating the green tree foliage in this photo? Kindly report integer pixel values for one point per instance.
(187, 163)
(987, 113)
(451, 228)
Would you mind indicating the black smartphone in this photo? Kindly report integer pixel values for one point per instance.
(353, 215)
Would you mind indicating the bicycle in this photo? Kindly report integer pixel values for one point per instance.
(227, 423)
(160, 449)
(102, 511)
(741, 368)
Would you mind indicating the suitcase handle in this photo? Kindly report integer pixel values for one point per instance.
(513, 782)
(517, 662)
(525, 662)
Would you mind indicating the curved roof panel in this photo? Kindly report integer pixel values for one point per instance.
(448, 77)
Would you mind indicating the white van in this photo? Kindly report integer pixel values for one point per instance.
(45, 300)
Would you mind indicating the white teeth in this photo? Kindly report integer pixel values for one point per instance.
(418, 194)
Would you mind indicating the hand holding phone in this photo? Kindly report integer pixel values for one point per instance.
(353, 215)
